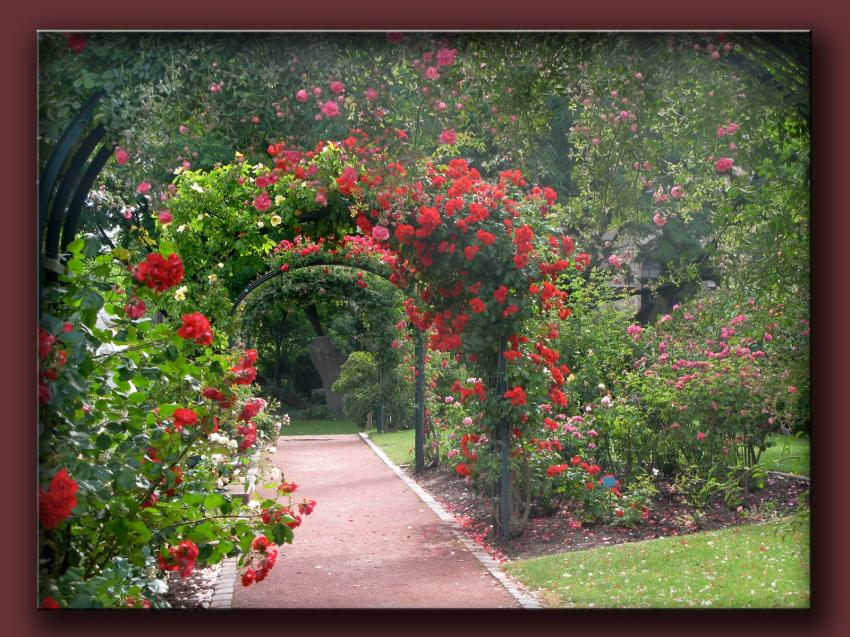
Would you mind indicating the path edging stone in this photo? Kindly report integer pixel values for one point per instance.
(524, 599)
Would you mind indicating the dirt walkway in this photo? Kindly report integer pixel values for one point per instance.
(370, 543)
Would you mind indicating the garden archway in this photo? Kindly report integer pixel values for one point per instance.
(378, 269)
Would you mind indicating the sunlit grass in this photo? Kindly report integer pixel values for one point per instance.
(756, 566)
(318, 428)
(789, 455)
(398, 445)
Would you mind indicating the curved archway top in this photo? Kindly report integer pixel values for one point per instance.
(354, 251)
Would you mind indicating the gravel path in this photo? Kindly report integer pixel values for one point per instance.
(370, 543)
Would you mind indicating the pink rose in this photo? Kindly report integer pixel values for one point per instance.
(676, 192)
(659, 220)
(165, 217)
(121, 156)
(449, 137)
(262, 202)
(431, 73)
(143, 187)
(724, 164)
(330, 109)
(371, 94)
(731, 128)
(183, 129)
(380, 233)
(337, 88)
(445, 57)
(700, 435)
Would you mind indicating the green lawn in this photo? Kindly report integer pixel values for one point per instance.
(398, 445)
(789, 455)
(318, 427)
(756, 566)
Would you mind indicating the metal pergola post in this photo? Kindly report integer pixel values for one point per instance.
(420, 403)
(503, 444)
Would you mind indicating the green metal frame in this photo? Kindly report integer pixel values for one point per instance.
(419, 418)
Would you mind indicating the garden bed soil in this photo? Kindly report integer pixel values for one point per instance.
(669, 515)
(193, 591)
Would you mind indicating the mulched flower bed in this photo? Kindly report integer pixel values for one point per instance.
(193, 591)
(670, 515)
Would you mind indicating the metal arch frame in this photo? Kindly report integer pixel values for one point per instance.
(61, 194)
(419, 413)
(271, 274)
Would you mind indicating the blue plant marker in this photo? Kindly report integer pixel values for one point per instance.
(609, 481)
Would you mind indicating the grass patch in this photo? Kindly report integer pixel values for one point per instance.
(398, 445)
(319, 428)
(755, 566)
(789, 455)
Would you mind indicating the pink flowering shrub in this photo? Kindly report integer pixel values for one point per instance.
(714, 380)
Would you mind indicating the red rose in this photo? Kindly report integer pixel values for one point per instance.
(306, 507)
(428, 219)
(135, 308)
(76, 42)
(49, 602)
(184, 418)
(404, 233)
(517, 396)
(159, 273)
(56, 503)
(477, 305)
(485, 237)
(181, 559)
(196, 328)
(219, 397)
(251, 409)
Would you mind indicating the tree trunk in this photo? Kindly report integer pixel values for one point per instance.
(328, 360)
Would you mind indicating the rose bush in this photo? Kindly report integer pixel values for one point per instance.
(142, 422)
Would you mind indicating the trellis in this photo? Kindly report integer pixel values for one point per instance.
(65, 181)
(419, 411)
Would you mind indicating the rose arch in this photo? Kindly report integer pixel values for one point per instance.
(478, 259)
